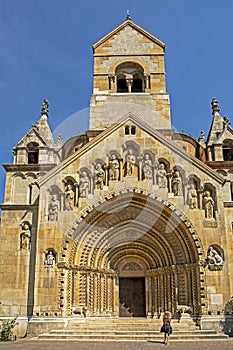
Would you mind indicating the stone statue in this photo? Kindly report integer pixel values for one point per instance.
(84, 187)
(215, 105)
(114, 168)
(50, 259)
(176, 183)
(192, 197)
(99, 176)
(53, 208)
(208, 204)
(25, 237)
(162, 176)
(147, 167)
(131, 163)
(45, 107)
(214, 258)
(69, 197)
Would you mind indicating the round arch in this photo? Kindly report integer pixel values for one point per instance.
(132, 226)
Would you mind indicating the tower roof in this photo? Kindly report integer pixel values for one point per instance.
(129, 22)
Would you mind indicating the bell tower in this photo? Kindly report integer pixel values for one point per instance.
(129, 77)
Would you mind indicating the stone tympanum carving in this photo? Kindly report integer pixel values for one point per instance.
(50, 259)
(69, 196)
(25, 236)
(147, 167)
(162, 176)
(192, 197)
(53, 208)
(99, 176)
(131, 166)
(84, 187)
(176, 183)
(208, 204)
(114, 168)
(214, 259)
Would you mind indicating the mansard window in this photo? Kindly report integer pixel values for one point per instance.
(130, 78)
(33, 153)
(227, 149)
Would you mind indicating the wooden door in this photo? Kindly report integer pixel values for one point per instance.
(132, 297)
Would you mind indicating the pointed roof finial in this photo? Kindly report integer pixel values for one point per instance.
(128, 17)
(45, 108)
(215, 105)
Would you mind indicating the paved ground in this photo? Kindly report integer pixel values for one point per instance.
(99, 345)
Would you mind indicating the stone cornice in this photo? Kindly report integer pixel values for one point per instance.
(220, 164)
(131, 55)
(18, 206)
(28, 167)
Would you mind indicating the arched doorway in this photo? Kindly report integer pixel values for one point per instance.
(132, 240)
(131, 271)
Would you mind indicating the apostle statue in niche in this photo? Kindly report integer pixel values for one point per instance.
(147, 167)
(50, 259)
(114, 168)
(213, 257)
(176, 183)
(69, 197)
(99, 176)
(84, 186)
(53, 208)
(208, 204)
(162, 176)
(25, 236)
(192, 197)
(131, 165)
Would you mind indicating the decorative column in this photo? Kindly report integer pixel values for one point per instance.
(140, 167)
(121, 169)
(129, 83)
(147, 85)
(91, 184)
(106, 174)
(200, 196)
(169, 181)
(111, 82)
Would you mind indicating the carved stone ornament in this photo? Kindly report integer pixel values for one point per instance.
(25, 237)
(50, 259)
(210, 223)
(53, 208)
(214, 259)
(132, 266)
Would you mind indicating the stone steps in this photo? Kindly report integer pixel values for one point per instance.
(127, 330)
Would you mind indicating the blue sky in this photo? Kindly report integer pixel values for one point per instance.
(46, 52)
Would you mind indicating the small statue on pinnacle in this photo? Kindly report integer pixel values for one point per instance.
(128, 17)
(215, 105)
(45, 108)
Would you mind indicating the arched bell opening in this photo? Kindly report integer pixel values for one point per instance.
(137, 240)
(130, 77)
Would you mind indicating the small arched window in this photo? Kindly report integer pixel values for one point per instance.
(130, 130)
(33, 153)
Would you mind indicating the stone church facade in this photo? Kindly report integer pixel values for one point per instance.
(130, 219)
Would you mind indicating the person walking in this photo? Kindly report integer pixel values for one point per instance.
(166, 327)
